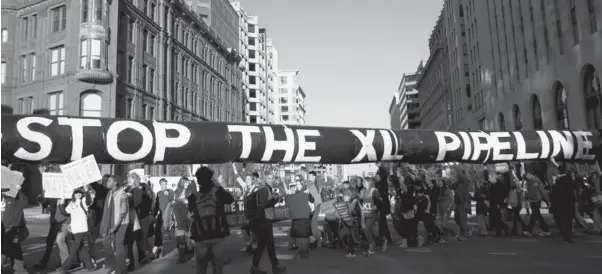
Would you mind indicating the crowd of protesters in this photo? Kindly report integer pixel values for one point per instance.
(131, 219)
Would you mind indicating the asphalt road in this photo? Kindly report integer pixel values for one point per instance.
(478, 255)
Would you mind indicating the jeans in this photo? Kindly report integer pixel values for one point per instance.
(264, 232)
(516, 219)
(496, 220)
(353, 237)
(461, 219)
(209, 251)
(536, 217)
(145, 225)
(51, 238)
(369, 230)
(115, 250)
(61, 242)
(158, 233)
(429, 225)
(78, 249)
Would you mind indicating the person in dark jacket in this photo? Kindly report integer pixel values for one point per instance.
(134, 235)
(261, 225)
(499, 193)
(383, 188)
(163, 198)
(15, 231)
(562, 200)
(209, 231)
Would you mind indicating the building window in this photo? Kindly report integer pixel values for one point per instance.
(562, 111)
(518, 120)
(501, 122)
(130, 72)
(31, 105)
(151, 45)
(537, 118)
(59, 18)
(57, 61)
(23, 68)
(592, 98)
(152, 10)
(4, 35)
(85, 11)
(32, 58)
(3, 72)
(251, 54)
(90, 54)
(151, 81)
(252, 93)
(284, 108)
(461, 10)
(559, 27)
(34, 25)
(252, 80)
(55, 103)
(252, 67)
(283, 80)
(145, 40)
(574, 22)
(90, 104)
(131, 25)
(25, 28)
(591, 11)
(83, 56)
(143, 72)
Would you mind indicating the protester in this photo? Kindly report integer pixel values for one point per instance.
(562, 200)
(114, 225)
(163, 199)
(446, 203)
(78, 210)
(58, 225)
(209, 226)
(535, 194)
(371, 205)
(182, 222)
(261, 225)
(499, 194)
(249, 187)
(382, 185)
(133, 236)
(299, 212)
(15, 231)
(462, 204)
(350, 212)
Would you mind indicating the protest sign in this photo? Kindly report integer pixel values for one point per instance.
(82, 172)
(56, 186)
(12, 180)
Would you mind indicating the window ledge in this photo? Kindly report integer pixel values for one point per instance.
(94, 76)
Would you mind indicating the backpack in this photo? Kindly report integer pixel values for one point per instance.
(250, 203)
(206, 203)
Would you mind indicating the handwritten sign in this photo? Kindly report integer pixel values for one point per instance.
(56, 186)
(12, 180)
(82, 172)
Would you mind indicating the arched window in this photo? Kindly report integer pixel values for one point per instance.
(591, 89)
(4, 35)
(90, 104)
(501, 122)
(537, 119)
(562, 113)
(518, 120)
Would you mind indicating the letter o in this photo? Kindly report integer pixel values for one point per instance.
(118, 127)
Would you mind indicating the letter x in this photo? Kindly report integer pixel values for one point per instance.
(367, 145)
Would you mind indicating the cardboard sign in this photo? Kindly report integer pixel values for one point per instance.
(82, 172)
(56, 185)
(12, 180)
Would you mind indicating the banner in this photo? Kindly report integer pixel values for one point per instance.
(82, 172)
(235, 212)
(56, 186)
(53, 139)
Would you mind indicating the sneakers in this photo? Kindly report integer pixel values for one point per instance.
(349, 255)
(256, 270)
(544, 234)
(369, 253)
(385, 242)
(526, 233)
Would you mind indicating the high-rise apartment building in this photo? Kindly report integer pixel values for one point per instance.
(291, 98)
(404, 110)
(257, 107)
(271, 76)
(243, 45)
(436, 107)
(150, 59)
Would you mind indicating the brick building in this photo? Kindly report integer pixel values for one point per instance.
(139, 59)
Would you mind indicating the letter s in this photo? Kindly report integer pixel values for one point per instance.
(35, 137)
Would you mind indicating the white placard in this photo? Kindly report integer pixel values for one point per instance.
(82, 172)
(56, 186)
(12, 180)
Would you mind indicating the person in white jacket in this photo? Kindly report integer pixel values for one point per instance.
(78, 209)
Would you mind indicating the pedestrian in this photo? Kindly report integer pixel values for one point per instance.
(499, 194)
(209, 226)
(133, 237)
(462, 204)
(78, 210)
(261, 225)
(299, 212)
(371, 206)
(164, 197)
(515, 202)
(350, 213)
(562, 200)
(14, 228)
(114, 225)
(446, 204)
(57, 220)
(382, 184)
(182, 222)
(536, 194)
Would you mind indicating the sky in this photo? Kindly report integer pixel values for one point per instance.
(351, 54)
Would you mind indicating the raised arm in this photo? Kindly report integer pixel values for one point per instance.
(239, 179)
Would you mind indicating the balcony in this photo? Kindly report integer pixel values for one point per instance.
(94, 76)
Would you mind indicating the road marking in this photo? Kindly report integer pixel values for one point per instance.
(596, 242)
(503, 253)
(593, 257)
(285, 256)
(423, 250)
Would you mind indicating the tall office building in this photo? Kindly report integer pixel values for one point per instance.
(150, 59)
(244, 64)
(404, 110)
(436, 107)
(271, 76)
(291, 98)
(525, 64)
